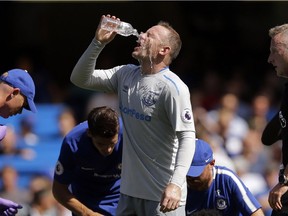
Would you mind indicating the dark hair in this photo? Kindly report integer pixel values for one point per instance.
(103, 121)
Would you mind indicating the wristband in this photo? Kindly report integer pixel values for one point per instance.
(283, 180)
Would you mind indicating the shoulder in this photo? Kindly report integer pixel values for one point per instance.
(172, 77)
(128, 67)
(77, 131)
(75, 136)
(225, 172)
(174, 82)
(174, 85)
(126, 72)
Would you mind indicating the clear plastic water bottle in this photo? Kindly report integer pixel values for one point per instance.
(122, 28)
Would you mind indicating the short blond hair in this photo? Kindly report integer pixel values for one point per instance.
(174, 40)
(281, 29)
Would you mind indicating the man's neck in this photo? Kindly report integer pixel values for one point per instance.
(148, 69)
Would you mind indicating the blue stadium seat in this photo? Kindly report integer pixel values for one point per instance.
(45, 121)
(45, 126)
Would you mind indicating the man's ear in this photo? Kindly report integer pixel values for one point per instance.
(165, 50)
(15, 92)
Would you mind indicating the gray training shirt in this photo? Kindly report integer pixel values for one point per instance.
(159, 131)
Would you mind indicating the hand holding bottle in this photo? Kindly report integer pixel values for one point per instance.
(110, 26)
(102, 35)
(122, 28)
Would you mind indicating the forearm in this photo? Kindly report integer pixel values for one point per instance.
(85, 66)
(69, 201)
(75, 206)
(184, 157)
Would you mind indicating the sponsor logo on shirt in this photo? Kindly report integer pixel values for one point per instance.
(87, 168)
(115, 174)
(107, 176)
(133, 113)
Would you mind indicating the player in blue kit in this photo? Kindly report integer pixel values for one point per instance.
(17, 92)
(90, 163)
(217, 187)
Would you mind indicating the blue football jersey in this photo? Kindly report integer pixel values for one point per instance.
(94, 179)
(227, 194)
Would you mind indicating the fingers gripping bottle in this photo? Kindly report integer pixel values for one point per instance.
(122, 28)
